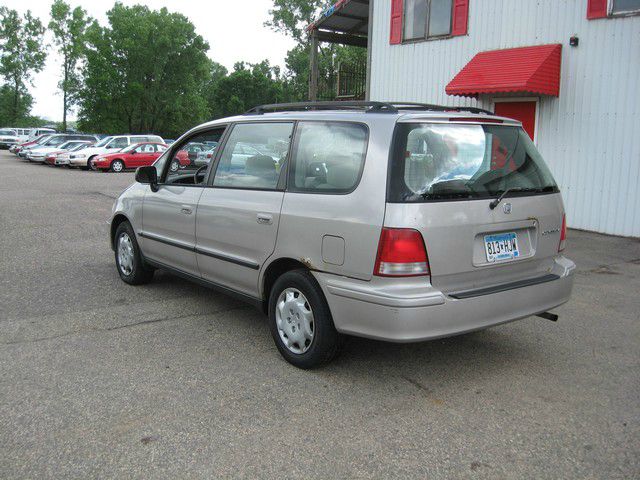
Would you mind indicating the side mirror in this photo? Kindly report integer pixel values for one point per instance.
(149, 176)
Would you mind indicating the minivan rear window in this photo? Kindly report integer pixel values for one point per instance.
(434, 162)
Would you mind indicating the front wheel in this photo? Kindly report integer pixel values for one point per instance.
(175, 165)
(129, 261)
(117, 166)
(300, 321)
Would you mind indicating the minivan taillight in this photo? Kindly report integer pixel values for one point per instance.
(401, 253)
(563, 234)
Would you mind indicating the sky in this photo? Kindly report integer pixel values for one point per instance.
(233, 28)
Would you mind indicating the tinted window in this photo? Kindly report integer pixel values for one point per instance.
(328, 157)
(257, 163)
(118, 143)
(620, 6)
(448, 161)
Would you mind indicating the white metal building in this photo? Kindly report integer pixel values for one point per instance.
(584, 117)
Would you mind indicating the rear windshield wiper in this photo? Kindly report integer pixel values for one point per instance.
(497, 201)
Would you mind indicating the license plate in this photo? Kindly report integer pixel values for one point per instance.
(503, 246)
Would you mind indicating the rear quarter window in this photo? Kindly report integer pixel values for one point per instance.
(328, 157)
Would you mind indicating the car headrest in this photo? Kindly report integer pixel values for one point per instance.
(260, 166)
(342, 175)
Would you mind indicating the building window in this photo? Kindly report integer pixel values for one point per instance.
(427, 19)
(625, 6)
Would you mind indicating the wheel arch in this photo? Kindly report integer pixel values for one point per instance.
(117, 220)
(271, 273)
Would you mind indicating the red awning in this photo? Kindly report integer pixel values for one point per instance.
(514, 70)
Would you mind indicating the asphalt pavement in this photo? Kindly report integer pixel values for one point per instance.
(171, 380)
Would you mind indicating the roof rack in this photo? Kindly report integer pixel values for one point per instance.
(367, 106)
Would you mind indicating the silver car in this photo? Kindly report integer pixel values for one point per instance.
(399, 222)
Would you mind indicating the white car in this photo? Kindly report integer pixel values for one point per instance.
(109, 145)
(9, 137)
(38, 132)
(37, 153)
(41, 154)
(64, 158)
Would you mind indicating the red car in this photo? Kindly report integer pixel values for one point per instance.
(133, 156)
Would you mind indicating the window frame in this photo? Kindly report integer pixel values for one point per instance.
(427, 37)
(222, 144)
(290, 184)
(175, 147)
(625, 13)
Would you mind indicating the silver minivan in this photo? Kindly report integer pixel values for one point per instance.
(399, 222)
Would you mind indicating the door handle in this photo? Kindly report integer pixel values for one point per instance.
(186, 209)
(265, 218)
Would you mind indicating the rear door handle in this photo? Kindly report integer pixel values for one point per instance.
(265, 218)
(186, 209)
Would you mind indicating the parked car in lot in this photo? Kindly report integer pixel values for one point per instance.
(133, 156)
(67, 141)
(62, 159)
(38, 132)
(9, 137)
(193, 154)
(51, 143)
(110, 144)
(27, 146)
(399, 222)
(72, 145)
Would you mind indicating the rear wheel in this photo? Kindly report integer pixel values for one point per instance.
(129, 261)
(300, 321)
(117, 166)
(175, 165)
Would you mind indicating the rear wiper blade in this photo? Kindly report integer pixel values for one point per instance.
(497, 201)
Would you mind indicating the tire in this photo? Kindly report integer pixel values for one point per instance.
(287, 313)
(130, 265)
(174, 167)
(117, 166)
(89, 167)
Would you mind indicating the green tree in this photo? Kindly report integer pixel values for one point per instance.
(291, 18)
(144, 72)
(247, 86)
(22, 53)
(68, 28)
(9, 113)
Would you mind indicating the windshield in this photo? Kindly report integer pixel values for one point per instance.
(130, 147)
(80, 146)
(447, 161)
(103, 142)
(54, 141)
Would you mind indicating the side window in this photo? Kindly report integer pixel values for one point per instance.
(118, 143)
(253, 155)
(329, 157)
(191, 155)
(148, 148)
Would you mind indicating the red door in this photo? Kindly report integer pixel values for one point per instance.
(524, 112)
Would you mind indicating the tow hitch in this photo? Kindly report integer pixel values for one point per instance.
(548, 315)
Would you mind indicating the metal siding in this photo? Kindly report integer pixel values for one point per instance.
(589, 135)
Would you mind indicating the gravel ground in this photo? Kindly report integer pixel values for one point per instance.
(170, 380)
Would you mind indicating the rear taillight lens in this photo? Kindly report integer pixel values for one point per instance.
(563, 234)
(401, 253)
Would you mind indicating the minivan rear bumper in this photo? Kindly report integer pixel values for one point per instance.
(412, 310)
